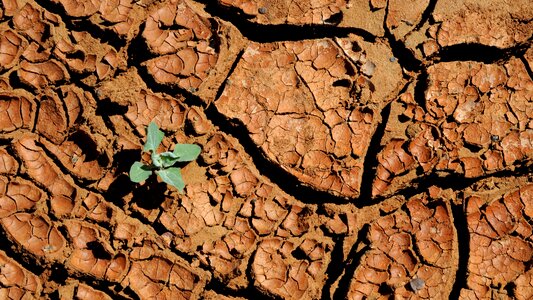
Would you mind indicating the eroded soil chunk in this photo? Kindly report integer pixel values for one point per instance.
(476, 119)
(500, 244)
(310, 108)
(412, 253)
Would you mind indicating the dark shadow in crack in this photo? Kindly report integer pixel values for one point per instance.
(106, 36)
(479, 52)
(138, 50)
(150, 194)
(421, 86)
(455, 181)
(405, 57)
(357, 251)
(335, 267)
(118, 189)
(98, 250)
(463, 245)
(527, 67)
(122, 160)
(283, 32)
(371, 160)
(426, 14)
(106, 107)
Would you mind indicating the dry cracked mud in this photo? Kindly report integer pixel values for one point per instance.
(363, 149)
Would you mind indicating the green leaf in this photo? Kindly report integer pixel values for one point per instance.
(173, 177)
(156, 160)
(153, 137)
(139, 172)
(168, 159)
(187, 152)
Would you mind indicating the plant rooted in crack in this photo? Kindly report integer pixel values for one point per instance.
(162, 163)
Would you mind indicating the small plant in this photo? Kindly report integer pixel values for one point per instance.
(162, 163)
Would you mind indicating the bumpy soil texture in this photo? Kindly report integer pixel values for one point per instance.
(350, 149)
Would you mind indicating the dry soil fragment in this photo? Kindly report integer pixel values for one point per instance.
(160, 278)
(75, 99)
(83, 54)
(76, 8)
(524, 286)
(97, 209)
(197, 213)
(92, 255)
(225, 256)
(307, 106)
(79, 155)
(186, 54)
(75, 58)
(168, 113)
(29, 22)
(41, 75)
(211, 295)
(8, 164)
(476, 120)
(16, 112)
(412, 253)
(500, 244)
(17, 282)
(35, 53)
(52, 120)
(42, 170)
(10, 7)
(119, 14)
(197, 120)
(497, 23)
(277, 272)
(34, 233)
(20, 195)
(76, 290)
(528, 56)
(10, 48)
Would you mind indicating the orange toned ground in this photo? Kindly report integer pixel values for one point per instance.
(351, 149)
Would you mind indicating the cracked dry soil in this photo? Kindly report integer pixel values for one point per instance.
(350, 149)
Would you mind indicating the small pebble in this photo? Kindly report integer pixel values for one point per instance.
(494, 138)
(393, 59)
(99, 93)
(48, 248)
(416, 284)
(262, 10)
(368, 68)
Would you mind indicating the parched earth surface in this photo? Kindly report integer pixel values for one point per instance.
(350, 149)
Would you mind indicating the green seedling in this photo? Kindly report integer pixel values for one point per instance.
(162, 163)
